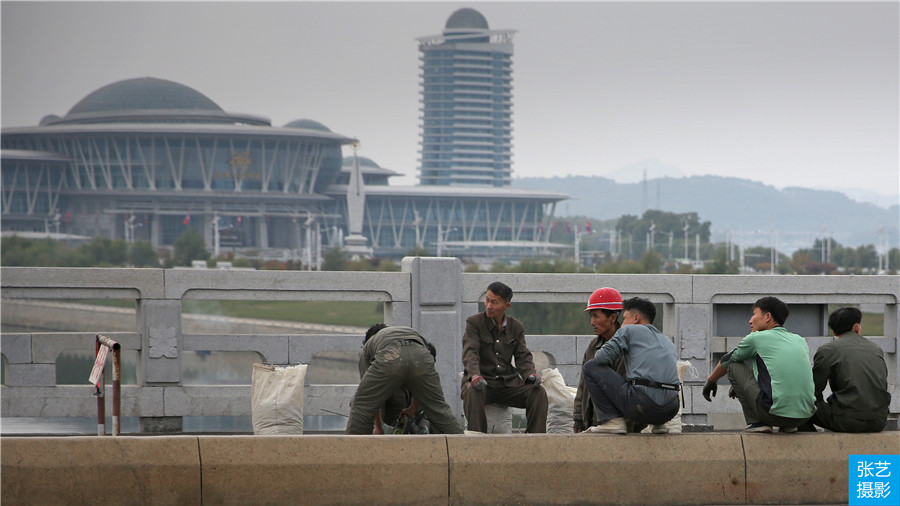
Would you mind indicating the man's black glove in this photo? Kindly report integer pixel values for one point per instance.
(478, 383)
(710, 388)
(534, 380)
(731, 392)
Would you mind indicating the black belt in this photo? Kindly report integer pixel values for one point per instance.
(655, 384)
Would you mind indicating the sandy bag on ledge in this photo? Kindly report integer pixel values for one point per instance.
(276, 399)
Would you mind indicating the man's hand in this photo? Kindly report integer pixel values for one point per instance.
(534, 380)
(577, 428)
(478, 383)
(710, 388)
(378, 429)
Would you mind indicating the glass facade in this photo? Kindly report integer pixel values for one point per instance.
(466, 122)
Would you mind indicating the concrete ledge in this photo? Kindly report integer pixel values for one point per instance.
(696, 468)
(324, 470)
(100, 470)
(597, 469)
(807, 468)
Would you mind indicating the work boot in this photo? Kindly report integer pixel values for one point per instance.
(759, 427)
(611, 426)
(660, 429)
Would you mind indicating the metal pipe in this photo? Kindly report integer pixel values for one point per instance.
(117, 389)
(101, 405)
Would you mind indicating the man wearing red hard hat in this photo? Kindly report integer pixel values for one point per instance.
(604, 306)
(648, 393)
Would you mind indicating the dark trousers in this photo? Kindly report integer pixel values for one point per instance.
(836, 421)
(614, 397)
(740, 374)
(534, 400)
(410, 365)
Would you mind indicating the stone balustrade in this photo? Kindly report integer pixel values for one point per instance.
(704, 314)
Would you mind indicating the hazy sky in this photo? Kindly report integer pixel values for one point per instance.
(783, 93)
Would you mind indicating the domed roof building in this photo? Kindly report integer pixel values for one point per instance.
(466, 95)
(147, 157)
(465, 19)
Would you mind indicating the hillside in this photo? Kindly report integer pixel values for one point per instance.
(730, 204)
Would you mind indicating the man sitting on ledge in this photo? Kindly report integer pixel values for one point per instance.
(855, 368)
(769, 372)
(492, 341)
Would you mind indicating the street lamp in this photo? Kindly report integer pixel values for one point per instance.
(215, 226)
(442, 238)
(415, 224)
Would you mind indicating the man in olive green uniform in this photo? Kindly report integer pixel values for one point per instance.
(491, 342)
(857, 373)
(394, 358)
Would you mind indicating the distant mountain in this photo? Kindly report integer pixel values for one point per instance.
(651, 168)
(737, 205)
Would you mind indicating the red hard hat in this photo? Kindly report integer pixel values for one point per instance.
(605, 298)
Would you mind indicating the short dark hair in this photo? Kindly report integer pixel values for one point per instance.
(642, 306)
(775, 307)
(374, 329)
(843, 319)
(501, 290)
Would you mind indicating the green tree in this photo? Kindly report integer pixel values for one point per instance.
(652, 262)
(721, 265)
(417, 251)
(866, 257)
(189, 247)
(142, 254)
(334, 259)
(104, 251)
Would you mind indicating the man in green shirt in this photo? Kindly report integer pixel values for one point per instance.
(769, 372)
(855, 369)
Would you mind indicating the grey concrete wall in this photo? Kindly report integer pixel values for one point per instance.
(710, 468)
(432, 295)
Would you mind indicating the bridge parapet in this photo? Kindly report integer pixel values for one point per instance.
(705, 315)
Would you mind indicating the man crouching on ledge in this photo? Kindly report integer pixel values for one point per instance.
(649, 392)
(392, 358)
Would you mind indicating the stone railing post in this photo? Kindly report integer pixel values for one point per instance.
(161, 348)
(693, 334)
(436, 313)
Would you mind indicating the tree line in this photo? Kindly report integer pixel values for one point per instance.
(651, 244)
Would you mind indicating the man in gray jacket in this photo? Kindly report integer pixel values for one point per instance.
(649, 392)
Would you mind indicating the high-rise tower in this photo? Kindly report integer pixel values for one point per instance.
(466, 122)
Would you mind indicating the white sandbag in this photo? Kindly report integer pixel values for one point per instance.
(560, 402)
(499, 418)
(276, 399)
